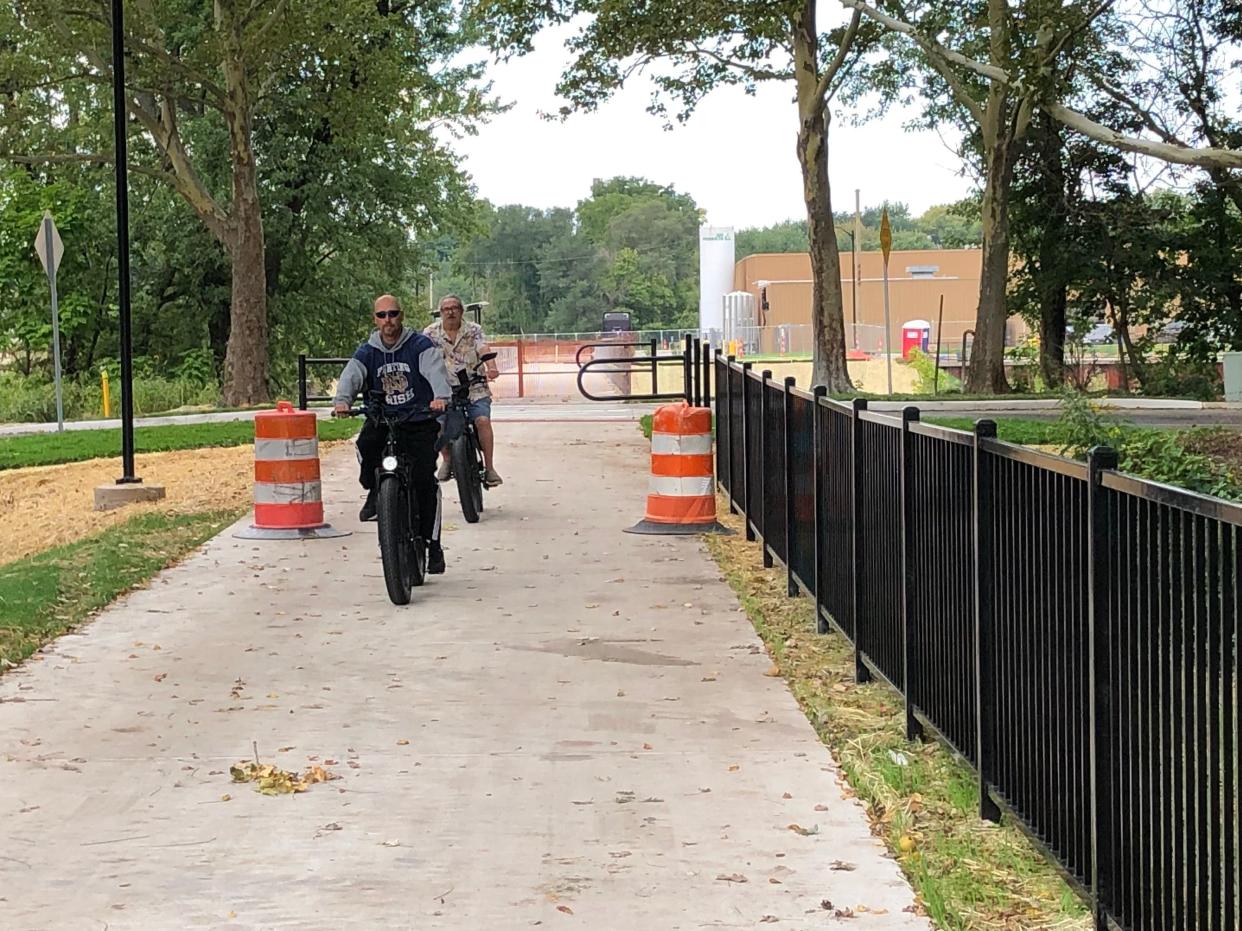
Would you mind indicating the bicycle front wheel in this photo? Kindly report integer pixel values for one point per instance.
(393, 514)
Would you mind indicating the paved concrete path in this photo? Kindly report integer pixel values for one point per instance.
(592, 741)
(572, 411)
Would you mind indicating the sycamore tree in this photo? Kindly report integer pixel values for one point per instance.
(234, 100)
(690, 47)
(990, 65)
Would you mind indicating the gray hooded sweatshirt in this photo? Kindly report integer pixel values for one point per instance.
(411, 373)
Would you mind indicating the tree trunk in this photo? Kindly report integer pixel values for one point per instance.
(986, 374)
(245, 361)
(1051, 275)
(1052, 323)
(827, 313)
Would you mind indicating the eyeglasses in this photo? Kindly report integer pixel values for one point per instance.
(387, 314)
(451, 309)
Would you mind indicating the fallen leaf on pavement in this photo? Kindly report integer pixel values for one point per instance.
(403, 743)
(842, 867)
(774, 671)
(732, 878)
(565, 908)
(272, 780)
(805, 832)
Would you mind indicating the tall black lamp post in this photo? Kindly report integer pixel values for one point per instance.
(120, 116)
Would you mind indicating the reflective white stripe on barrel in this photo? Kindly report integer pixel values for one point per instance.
(281, 493)
(276, 450)
(681, 487)
(676, 444)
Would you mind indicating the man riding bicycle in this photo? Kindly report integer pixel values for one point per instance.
(409, 369)
(462, 344)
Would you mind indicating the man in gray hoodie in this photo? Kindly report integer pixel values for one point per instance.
(409, 368)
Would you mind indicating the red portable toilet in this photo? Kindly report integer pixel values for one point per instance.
(915, 334)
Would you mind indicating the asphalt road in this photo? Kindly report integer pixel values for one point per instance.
(1171, 419)
(576, 411)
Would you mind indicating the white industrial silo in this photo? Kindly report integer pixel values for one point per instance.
(739, 316)
(716, 260)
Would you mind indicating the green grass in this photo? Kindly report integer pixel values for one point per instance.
(50, 593)
(1011, 430)
(39, 449)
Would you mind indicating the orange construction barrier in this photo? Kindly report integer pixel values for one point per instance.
(288, 497)
(682, 493)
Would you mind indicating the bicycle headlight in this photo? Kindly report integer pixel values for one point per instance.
(389, 463)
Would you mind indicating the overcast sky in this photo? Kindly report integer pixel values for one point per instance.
(735, 156)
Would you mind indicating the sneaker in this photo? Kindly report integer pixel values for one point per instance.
(492, 478)
(435, 559)
(368, 507)
(445, 472)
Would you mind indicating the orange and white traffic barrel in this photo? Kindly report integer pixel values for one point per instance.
(288, 493)
(682, 491)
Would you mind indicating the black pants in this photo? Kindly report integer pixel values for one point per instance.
(416, 442)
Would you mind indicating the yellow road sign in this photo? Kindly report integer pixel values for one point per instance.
(886, 235)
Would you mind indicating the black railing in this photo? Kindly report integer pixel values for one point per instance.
(695, 361)
(304, 366)
(1071, 631)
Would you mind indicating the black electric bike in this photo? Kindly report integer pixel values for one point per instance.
(402, 549)
(466, 453)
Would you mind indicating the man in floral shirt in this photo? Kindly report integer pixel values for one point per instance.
(462, 343)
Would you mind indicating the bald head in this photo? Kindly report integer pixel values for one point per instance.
(387, 302)
(388, 318)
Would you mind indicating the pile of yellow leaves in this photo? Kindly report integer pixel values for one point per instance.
(272, 780)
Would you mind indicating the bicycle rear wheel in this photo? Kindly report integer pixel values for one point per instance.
(466, 471)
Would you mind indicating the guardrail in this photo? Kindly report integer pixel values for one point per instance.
(1072, 632)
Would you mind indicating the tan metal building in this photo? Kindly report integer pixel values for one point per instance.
(781, 285)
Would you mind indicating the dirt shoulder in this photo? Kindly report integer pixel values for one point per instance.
(48, 506)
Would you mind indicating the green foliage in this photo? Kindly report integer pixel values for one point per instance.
(33, 400)
(1158, 455)
(789, 236)
(349, 107)
(46, 595)
(632, 245)
(925, 367)
(41, 449)
(946, 226)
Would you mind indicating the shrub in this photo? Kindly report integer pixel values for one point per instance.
(33, 399)
(925, 367)
(1159, 455)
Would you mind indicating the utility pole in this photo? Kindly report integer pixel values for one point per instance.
(886, 246)
(855, 274)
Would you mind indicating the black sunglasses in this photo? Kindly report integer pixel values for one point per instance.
(387, 314)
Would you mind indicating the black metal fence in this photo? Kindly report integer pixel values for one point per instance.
(1071, 631)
